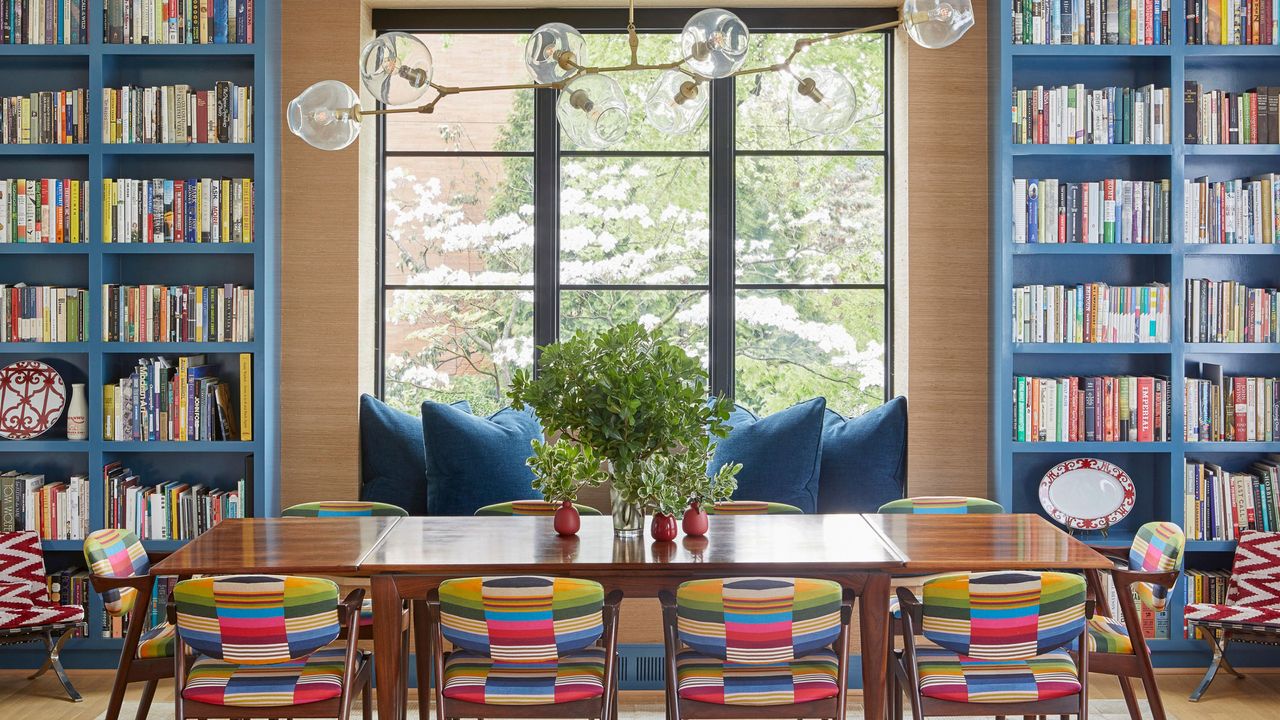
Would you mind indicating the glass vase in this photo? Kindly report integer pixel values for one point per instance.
(628, 517)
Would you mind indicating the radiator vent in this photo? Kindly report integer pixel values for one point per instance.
(642, 667)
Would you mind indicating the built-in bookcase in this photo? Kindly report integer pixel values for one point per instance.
(97, 65)
(1157, 468)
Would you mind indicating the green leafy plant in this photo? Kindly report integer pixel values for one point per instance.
(561, 469)
(671, 481)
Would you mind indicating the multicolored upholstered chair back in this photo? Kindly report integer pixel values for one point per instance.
(116, 553)
(521, 619)
(942, 505)
(1158, 547)
(758, 620)
(534, 508)
(1004, 615)
(753, 507)
(344, 508)
(257, 619)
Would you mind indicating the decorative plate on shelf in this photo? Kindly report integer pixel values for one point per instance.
(1087, 494)
(32, 397)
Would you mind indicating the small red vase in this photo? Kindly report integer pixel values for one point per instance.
(567, 521)
(663, 528)
(695, 520)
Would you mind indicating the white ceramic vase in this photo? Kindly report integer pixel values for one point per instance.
(78, 414)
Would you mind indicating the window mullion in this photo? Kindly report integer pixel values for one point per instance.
(546, 219)
(721, 336)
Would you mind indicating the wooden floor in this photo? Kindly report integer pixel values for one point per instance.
(1255, 698)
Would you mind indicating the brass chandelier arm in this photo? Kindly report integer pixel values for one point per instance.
(804, 43)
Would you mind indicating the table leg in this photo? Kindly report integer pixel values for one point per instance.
(387, 650)
(873, 621)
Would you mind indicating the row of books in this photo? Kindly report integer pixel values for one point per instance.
(70, 586)
(177, 313)
(1221, 504)
(1231, 409)
(1228, 311)
(172, 510)
(1091, 313)
(171, 22)
(178, 114)
(44, 22)
(1232, 22)
(195, 210)
(51, 117)
(1102, 211)
(1075, 115)
(115, 626)
(1218, 117)
(1155, 625)
(1243, 211)
(1091, 22)
(43, 313)
(182, 400)
(1091, 409)
(1203, 586)
(56, 510)
(44, 210)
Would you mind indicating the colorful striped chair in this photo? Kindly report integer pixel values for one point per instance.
(941, 505)
(1152, 566)
(1002, 642)
(344, 508)
(535, 508)
(260, 646)
(756, 647)
(753, 507)
(119, 571)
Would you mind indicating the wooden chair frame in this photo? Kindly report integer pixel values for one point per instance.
(1137, 664)
(357, 673)
(604, 707)
(132, 668)
(679, 708)
(903, 676)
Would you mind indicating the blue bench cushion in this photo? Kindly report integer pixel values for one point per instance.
(780, 454)
(474, 461)
(393, 466)
(864, 459)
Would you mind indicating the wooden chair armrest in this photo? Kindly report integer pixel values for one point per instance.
(1124, 578)
(909, 604)
(667, 599)
(141, 583)
(349, 608)
(613, 599)
(1115, 552)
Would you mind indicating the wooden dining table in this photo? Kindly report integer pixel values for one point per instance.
(405, 558)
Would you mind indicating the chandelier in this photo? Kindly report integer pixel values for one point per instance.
(396, 69)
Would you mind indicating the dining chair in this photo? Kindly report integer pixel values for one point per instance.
(27, 613)
(1002, 642)
(536, 508)
(753, 507)
(344, 508)
(1116, 647)
(523, 646)
(942, 505)
(119, 570)
(262, 646)
(756, 647)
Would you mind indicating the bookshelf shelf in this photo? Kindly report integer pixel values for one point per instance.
(152, 51)
(176, 348)
(171, 446)
(247, 149)
(44, 50)
(1156, 468)
(43, 348)
(179, 249)
(44, 248)
(43, 446)
(45, 149)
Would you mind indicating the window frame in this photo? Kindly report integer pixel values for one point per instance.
(722, 154)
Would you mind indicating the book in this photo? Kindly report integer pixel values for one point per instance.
(1231, 22)
(171, 509)
(1093, 215)
(1091, 409)
(45, 117)
(1232, 118)
(223, 114)
(174, 400)
(1089, 22)
(170, 216)
(56, 510)
(43, 210)
(1226, 311)
(44, 22)
(1240, 211)
(176, 22)
(43, 313)
(1075, 115)
(1231, 409)
(178, 313)
(1221, 504)
(1091, 313)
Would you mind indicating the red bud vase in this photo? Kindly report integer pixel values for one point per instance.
(695, 520)
(567, 521)
(663, 528)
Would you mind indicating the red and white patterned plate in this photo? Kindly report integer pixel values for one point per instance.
(1087, 494)
(32, 397)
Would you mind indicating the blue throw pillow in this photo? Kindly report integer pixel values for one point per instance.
(780, 454)
(864, 459)
(475, 461)
(393, 468)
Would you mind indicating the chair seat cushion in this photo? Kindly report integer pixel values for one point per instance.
(753, 507)
(157, 642)
(1108, 635)
(476, 678)
(25, 615)
(944, 675)
(711, 680)
(366, 612)
(313, 679)
(1234, 616)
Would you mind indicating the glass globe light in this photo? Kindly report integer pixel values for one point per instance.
(823, 101)
(715, 42)
(592, 109)
(937, 23)
(549, 49)
(675, 103)
(326, 115)
(396, 68)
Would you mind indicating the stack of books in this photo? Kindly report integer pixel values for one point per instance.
(1232, 22)
(1091, 313)
(171, 510)
(1204, 586)
(1219, 117)
(1091, 22)
(43, 313)
(178, 114)
(193, 22)
(1074, 115)
(182, 400)
(1099, 212)
(1245, 211)
(47, 117)
(195, 210)
(177, 313)
(1225, 311)
(114, 627)
(1221, 504)
(55, 510)
(44, 22)
(1091, 409)
(70, 586)
(45, 210)
(1231, 409)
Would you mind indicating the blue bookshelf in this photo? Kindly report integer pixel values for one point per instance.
(1157, 468)
(97, 65)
